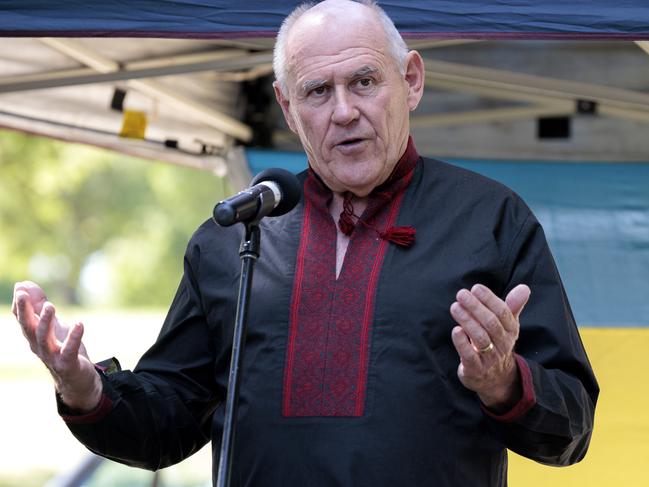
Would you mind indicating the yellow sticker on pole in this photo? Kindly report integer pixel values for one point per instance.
(133, 124)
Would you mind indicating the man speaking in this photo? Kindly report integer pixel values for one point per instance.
(408, 324)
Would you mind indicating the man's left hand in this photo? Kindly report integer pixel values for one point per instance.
(485, 338)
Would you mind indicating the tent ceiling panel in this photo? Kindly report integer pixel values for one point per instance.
(478, 93)
(188, 109)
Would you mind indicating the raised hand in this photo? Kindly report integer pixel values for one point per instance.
(485, 338)
(58, 346)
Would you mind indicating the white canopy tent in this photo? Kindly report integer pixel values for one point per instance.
(204, 94)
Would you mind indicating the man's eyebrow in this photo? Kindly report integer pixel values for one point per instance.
(364, 71)
(312, 84)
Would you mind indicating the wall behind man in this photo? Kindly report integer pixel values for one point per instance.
(596, 219)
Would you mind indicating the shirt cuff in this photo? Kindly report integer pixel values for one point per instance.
(101, 410)
(527, 400)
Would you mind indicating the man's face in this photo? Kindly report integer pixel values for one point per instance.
(346, 100)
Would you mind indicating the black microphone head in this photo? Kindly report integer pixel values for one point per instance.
(224, 214)
(288, 184)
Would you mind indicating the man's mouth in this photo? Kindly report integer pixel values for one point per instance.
(349, 142)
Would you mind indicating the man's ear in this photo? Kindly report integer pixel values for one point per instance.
(283, 102)
(414, 75)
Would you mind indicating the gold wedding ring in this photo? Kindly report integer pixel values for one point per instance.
(487, 349)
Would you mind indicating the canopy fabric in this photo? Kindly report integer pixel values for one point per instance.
(469, 19)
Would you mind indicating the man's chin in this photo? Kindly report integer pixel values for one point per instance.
(361, 186)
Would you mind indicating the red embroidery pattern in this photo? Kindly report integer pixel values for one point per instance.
(331, 319)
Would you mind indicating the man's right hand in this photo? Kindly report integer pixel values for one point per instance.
(58, 346)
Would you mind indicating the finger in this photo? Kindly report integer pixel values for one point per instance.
(45, 339)
(72, 343)
(494, 312)
(19, 290)
(36, 294)
(477, 334)
(517, 299)
(484, 316)
(468, 355)
(25, 315)
(60, 330)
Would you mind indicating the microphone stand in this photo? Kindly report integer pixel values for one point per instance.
(249, 253)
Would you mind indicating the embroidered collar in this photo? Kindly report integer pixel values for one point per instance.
(380, 196)
(331, 319)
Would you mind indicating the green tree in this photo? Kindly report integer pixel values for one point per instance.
(63, 203)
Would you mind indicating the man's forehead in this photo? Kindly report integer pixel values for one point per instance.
(318, 44)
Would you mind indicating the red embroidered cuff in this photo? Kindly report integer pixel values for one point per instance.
(104, 369)
(97, 414)
(527, 400)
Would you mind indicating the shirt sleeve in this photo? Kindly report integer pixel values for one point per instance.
(160, 413)
(527, 399)
(555, 428)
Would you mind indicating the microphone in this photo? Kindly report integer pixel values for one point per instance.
(273, 192)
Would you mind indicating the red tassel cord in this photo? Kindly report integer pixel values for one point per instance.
(401, 236)
(346, 221)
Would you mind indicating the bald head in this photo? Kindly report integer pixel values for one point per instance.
(336, 18)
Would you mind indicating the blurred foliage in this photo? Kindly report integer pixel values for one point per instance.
(64, 205)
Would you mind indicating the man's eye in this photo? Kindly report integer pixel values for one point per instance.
(318, 91)
(364, 82)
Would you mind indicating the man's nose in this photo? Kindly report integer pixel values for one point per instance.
(344, 110)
